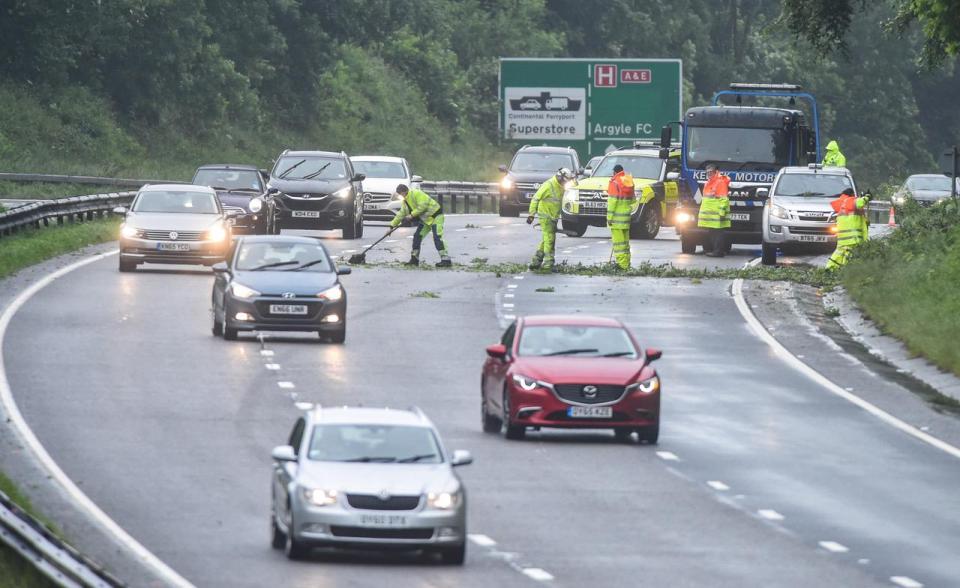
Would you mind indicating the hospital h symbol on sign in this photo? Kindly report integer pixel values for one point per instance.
(604, 76)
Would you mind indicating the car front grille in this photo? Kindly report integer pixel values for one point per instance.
(811, 231)
(592, 195)
(167, 235)
(373, 533)
(374, 197)
(575, 393)
(527, 187)
(374, 502)
(822, 217)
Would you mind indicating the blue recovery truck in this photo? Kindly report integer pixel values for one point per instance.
(749, 144)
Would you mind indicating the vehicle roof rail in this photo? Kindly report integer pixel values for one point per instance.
(419, 412)
(752, 86)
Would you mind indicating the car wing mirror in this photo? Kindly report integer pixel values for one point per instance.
(272, 191)
(120, 210)
(498, 351)
(219, 267)
(344, 271)
(502, 168)
(359, 177)
(653, 354)
(673, 176)
(284, 453)
(461, 457)
(763, 192)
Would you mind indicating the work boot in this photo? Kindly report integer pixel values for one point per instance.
(414, 261)
(445, 263)
(713, 253)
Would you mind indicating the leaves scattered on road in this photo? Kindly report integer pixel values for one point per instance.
(425, 294)
(546, 289)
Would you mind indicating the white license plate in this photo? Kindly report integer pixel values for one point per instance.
(288, 309)
(383, 520)
(173, 246)
(374, 206)
(590, 412)
(588, 204)
(305, 214)
(740, 216)
(812, 238)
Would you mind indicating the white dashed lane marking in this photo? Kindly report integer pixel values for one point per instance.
(272, 366)
(667, 456)
(266, 352)
(509, 317)
(304, 405)
(482, 540)
(508, 305)
(538, 574)
(718, 485)
(508, 295)
(770, 515)
(905, 582)
(286, 385)
(512, 286)
(834, 547)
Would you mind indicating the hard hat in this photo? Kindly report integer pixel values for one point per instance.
(565, 174)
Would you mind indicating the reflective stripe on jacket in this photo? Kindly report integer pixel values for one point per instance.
(546, 202)
(714, 213)
(419, 205)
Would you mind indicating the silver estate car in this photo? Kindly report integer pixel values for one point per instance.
(798, 211)
(368, 477)
(174, 223)
(383, 174)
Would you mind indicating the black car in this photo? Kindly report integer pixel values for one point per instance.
(318, 190)
(279, 283)
(242, 188)
(531, 167)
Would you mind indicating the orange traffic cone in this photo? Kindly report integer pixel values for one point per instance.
(893, 220)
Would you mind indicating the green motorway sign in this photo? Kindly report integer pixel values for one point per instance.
(592, 105)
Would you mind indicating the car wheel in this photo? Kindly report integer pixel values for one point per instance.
(454, 555)
(649, 434)
(294, 549)
(513, 432)
(769, 254)
(228, 333)
(507, 211)
(217, 329)
(278, 539)
(573, 229)
(359, 231)
(688, 245)
(337, 336)
(623, 435)
(349, 230)
(491, 424)
(649, 223)
(127, 266)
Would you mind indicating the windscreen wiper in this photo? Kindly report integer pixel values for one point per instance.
(291, 168)
(306, 265)
(618, 354)
(310, 176)
(414, 458)
(371, 459)
(570, 352)
(274, 264)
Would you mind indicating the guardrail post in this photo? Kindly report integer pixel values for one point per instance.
(453, 198)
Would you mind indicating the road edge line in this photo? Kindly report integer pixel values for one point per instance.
(789, 358)
(39, 451)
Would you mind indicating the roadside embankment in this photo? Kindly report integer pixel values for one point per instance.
(908, 283)
(34, 246)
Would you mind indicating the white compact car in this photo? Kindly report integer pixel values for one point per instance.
(383, 174)
(798, 211)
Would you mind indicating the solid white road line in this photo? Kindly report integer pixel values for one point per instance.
(834, 547)
(718, 485)
(816, 376)
(482, 540)
(905, 582)
(286, 385)
(538, 574)
(30, 439)
(770, 515)
(667, 456)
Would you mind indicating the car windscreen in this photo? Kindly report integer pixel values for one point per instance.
(584, 341)
(541, 162)
(176, 201)
(311, 167)
(374, 443)
(380, 169)
(933, 183)
(281, 256)
(812, 185)
(228, 178)
(635, 165)
(733, 149)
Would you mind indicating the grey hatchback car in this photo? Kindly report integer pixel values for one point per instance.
(368, 477)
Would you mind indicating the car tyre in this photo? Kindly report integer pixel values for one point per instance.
(278, 539)
(217, 329)
(293, 549)
(127, 266)
(648, 225)
(573, 229)
(507, 211)
(491, 424)
(349, 230)
(512, 432)
(454, 555)
(649, 434)
(228, 333)
(623, 435)
(688, 245)
(768, 254)
(339, 336)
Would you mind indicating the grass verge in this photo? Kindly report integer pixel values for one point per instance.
(33, 246)
(908, 282)
(15, 572)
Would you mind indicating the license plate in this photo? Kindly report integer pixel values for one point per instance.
(288, 309)
(173, 246)
(812, 238)
(740, 216)
(590, 412)
(383, 520)
(373, 206)
(305, 214)
(528, 195)
(590, 204)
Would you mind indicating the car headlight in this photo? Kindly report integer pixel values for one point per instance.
(320, 496)
(217, 233)
(342, 192)
(506, 183)
(332, 294)
(255, 205)
(648, 386)
(241, 291)
(443, 500)
(129, 232)
(527, 383)
(683, 217)
(779, 211)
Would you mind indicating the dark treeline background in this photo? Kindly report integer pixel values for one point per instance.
(156, 86)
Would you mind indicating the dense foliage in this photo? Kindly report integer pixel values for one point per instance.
(153, 86)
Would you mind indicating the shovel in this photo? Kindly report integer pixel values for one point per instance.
(358, 258)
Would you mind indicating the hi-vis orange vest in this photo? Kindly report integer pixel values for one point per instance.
(718, 185)
(845, 204)
(621, 185)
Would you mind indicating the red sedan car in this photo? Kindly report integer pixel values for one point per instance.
(572, 372)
